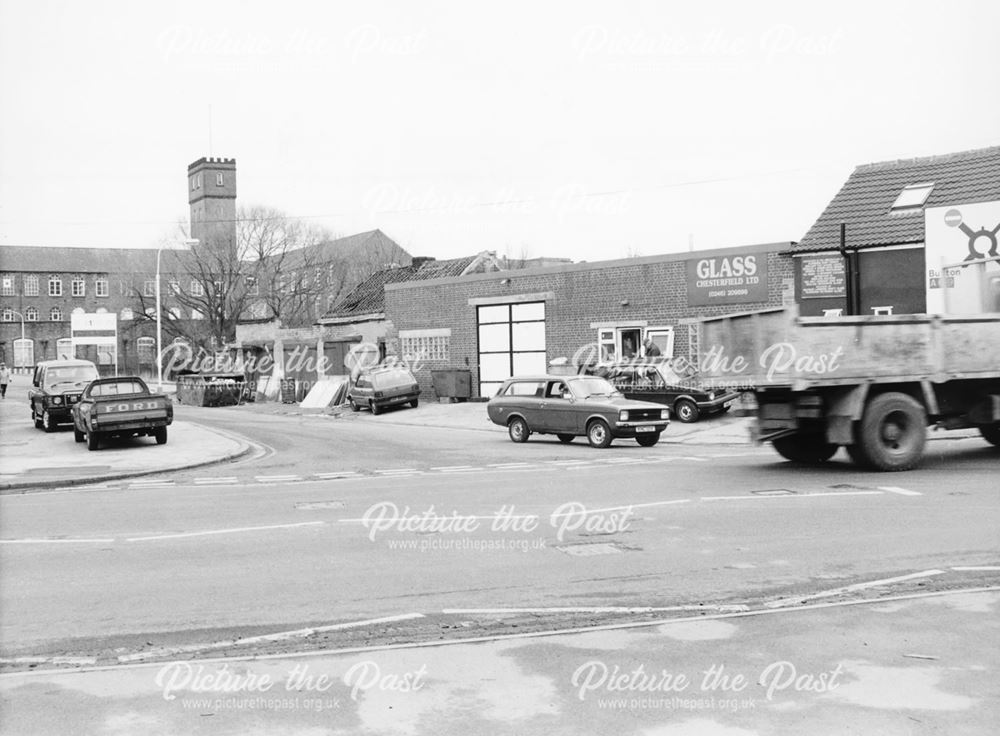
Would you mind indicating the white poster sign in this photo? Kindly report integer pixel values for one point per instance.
(960, 241)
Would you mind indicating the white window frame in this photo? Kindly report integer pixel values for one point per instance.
(24, 352)
(101, 288)
(7, 315)
(31, 285)
(196, 288)
(220, 179)
(55, 314)
(31, 314)
(149, 287)
(55, 286)
(78, 287)
(7, 286)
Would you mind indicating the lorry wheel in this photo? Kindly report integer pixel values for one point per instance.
(991, 433)
(78, 436)
(598, 433)
(686, 411)
(93, 441)
(518, 430)
(160, 433)
(808, 449)
(892, 432)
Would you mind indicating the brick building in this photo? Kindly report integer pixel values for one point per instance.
(514, 322)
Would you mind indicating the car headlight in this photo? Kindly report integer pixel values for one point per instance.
(57, 400)
(711, 395)
(665, 414)
(623, 416)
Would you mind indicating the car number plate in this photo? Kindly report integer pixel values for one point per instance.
(645, 429)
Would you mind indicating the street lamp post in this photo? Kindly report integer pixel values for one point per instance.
(159, 319)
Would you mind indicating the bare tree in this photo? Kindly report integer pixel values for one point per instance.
(265, 266)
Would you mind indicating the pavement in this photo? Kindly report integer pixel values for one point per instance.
(33, 459)
(917, 664)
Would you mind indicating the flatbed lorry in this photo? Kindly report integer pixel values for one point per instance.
(872, 384)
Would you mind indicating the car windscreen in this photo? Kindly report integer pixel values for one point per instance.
(592, 386)
(117, 388)
(72, 375)
(391, 379)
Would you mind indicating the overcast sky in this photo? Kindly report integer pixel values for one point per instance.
(586, 130)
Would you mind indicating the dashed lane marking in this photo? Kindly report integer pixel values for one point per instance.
(57, 541)
(227, 480)
(900, 491)
(278, 478)
(977, 568)
(234, 530)
(818, 494)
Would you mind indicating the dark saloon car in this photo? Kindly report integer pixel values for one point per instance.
(384, 387)
(574, 406)
(660, 382)
(55, 388)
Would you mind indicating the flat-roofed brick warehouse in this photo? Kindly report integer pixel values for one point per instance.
(514, 322)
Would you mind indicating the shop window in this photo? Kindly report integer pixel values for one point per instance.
(64, 348)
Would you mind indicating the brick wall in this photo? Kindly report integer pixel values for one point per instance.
(655, 288)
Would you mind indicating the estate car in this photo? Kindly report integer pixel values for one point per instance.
(664, 383)
(574, 406)
(55, 388)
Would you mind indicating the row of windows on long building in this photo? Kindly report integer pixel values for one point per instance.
(31, 286)
(56, 314)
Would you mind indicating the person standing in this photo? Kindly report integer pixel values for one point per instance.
(4, 380)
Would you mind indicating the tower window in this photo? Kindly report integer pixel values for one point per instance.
(220, 180)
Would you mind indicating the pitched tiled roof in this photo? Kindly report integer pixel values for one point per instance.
(865, 201)
(373, 246)
(77, 260)
(369, 296)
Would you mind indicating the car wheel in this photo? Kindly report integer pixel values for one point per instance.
(160, 433)
(686, 411)
(892, 432)
(36, 419)
(375, 408)
(93, 441)
(518, 430)
(414, 403)
(808, 449)
(598, 433)
(566, 438)
(354, 406)
(991, 433)
(647, 440)
(78, 436)
(47, 423)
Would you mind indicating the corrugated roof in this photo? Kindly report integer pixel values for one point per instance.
(865, 201)
(369, 296)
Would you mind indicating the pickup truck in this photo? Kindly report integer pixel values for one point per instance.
(55, 388)
(872, 384)
(122, 406)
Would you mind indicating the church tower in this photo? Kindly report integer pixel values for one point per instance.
(212, 197)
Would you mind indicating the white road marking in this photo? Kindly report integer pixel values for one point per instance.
(227, 480)
(568, 462)
(49, 660)
(900, 491)
(56, 541)
(594, 609)
(277, 478)
(852, 588)
(398, 470)
(278, 636)
(792, 495)
(511, 465)
(453, 467)
(977, 568)
(331, 476)
(234, 530)
(161, 482)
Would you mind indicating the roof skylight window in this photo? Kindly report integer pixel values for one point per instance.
(913, 196)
